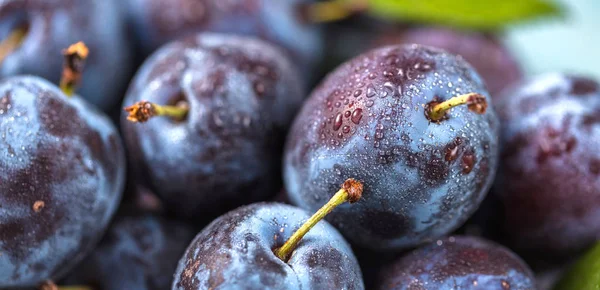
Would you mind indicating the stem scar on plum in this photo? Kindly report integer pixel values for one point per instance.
(75, 56)
(436, 111)
(332, 10)
(350, 191)
(38, 205)
(13, 41)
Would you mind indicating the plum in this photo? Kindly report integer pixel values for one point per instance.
(385, 118)
(62, 170)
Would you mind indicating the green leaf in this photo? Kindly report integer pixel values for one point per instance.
(473, 14)
(585, 274)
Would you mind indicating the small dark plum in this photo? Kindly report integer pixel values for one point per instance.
(245, 249)
(411, 123)
(139, 252)
(549, 177)
(226, 103)
(459, 262)
(484, 51)
(62, 170)
(34, 32)
(281, 22)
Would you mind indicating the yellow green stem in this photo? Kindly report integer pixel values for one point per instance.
(351, 191)
(476, 102)
(12, 42)
(50, 285)
(175, 112)
(334, 10)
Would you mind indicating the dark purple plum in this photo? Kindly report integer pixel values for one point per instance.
(51, 25)
(483, 51)
(370, 119)
(236, 252)
(157, 22)
(240, 96)
(139, 252)
(459, 262)
(549, 181)
(62, 170)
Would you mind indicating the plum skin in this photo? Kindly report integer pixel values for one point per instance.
(458, 262)
(236, 250)
(63, 171)
(53, 26)
(278, 21)
(138, 252)
(549, 177)
(484, 52)
(242, 93)
(366, 121)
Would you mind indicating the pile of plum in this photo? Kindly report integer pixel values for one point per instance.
(436, 164)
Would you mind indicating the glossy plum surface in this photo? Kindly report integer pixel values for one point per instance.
(549, 181)
(62, 170)
(242, 94)
(281, 22)
(367, 121)
(236, 252)
(53, 25)
(459, 262)
(139, 252)
(485, 52)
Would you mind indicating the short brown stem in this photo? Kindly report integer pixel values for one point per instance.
(436, 111)
(351, 191)
(75, 56)
(142, 111)
(12, 41)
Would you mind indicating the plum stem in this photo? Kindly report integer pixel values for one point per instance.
(49, 285)
(142, 111)
(351, 191)
(436, 111)
(334, 10)
(75, 56)
(12, 41)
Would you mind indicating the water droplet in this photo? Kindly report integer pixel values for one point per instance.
(338, 104)
(346, 129)
(356, 116)
(378, 134)
(369, 103)
(338, 122)
(372, 75)
(357, 93)
(388, 90)
(347, 114)
(340, 135)
(371, 92)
